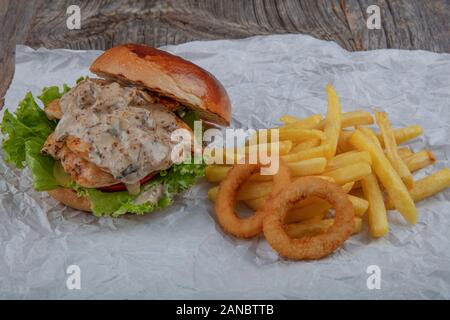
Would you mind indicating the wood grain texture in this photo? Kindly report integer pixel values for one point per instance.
(406, 24)
(12, 24)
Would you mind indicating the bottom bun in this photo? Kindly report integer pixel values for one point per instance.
(71, 199)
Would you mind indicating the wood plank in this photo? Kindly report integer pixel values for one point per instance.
(406, 24)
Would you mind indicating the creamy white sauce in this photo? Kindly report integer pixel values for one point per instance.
(152, 195)
(128, 134)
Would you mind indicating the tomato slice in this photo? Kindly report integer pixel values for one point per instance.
(122, 187)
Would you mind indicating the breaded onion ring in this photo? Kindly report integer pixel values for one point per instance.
(226, 200)
(309, 247)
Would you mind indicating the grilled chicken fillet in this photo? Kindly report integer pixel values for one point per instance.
(110, 133)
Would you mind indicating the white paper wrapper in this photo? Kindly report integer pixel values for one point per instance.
(181, 252)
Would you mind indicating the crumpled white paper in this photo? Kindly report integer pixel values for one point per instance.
(181, 252)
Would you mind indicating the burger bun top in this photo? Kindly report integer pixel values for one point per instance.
(168, 75)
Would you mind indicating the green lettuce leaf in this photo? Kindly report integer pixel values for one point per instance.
(29, 122)
(51, 93)
(41, 167)
(189, 116)
(181, 177)
(178, 178)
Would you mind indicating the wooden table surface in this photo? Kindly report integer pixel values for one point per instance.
(405, 24)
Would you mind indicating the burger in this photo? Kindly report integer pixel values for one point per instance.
(105, 145)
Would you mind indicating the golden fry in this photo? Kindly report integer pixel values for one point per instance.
(404, 134)
(248, 191)
(352, 119)
(377, 217)
(391, 149)
(307, 167)
(360, 205)
(253, 190)
(332, 126)
(216, 173)
(404, 152)
(212, 193)
(348, 158)
(387, 175)
(255, 204)
(310, 211)
(349, 173)
(284, 147)
(330, 179)
(371, 135)
(302, 229)
(230, 156)
(426, 187)
(299, 134)
(348, 186)
(307, 144)
(305, 210)
(310, 122)
(420, 160)
(343, 141)
(316, 152)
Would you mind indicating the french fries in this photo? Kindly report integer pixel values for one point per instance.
(257, 203)
(426, 187)
(343, 144)
(360, 205)
(352, 119)
(377, 217)
(348, 158)
(299, 134)
(302, 229)
(308, 167)
(316, 152)
(403, 135)
(310, 122)
(349, 119)
(231, 156)
(371, 135)
(248, 191)
(212, 193)
(319, 207)
(367, 163)
(420, 160)
(332, 126)
(313, 210)
(349, 173)
(307, 144)
(216, 173)
(346, 187)
(388, 176)
(431, 184)
(284, 147)
(391, 149)
(404, 152)
(415, 161)
(253, 190)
